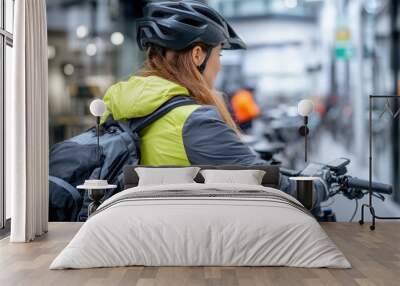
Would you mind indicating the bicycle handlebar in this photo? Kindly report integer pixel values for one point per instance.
(364, 184)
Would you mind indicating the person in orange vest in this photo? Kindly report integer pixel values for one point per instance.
(244, 107)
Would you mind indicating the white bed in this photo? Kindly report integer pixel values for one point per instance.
(201, 224)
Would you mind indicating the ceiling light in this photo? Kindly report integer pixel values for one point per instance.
(51, 52)
(91, 49)
(374, 6)
(117, 38)
(69, 69)
(82, 31)
(290, 3)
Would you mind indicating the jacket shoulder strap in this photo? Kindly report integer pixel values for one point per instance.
(135, 125)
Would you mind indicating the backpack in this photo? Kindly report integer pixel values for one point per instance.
(74, 160)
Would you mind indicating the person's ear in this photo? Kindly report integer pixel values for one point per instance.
(198, 55)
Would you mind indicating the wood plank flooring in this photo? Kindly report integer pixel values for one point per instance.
(374, 255)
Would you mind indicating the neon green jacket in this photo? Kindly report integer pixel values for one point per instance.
(187, 135)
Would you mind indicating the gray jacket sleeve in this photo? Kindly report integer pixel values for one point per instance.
(208, 140)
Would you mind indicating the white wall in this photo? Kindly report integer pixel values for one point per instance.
(278, 67)
(273, 31)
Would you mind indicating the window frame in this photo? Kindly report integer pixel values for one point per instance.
(6, 39)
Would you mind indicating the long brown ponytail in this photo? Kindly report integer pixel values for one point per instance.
(183, 71)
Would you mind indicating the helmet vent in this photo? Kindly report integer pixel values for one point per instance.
(175, 6)
(209, 15)
(191, 22)
(166, 31)
(161, 14)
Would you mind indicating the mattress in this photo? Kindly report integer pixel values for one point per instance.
(201, 225)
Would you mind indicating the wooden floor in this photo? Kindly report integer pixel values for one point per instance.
(374, 255)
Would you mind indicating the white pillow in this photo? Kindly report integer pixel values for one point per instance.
(248, 177)
(166, 176)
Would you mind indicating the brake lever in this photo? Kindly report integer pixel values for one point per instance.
(379, 196)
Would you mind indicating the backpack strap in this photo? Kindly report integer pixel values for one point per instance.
(67, 186)
(137, 124)
(76, 196)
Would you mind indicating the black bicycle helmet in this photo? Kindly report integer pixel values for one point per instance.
(179, 24)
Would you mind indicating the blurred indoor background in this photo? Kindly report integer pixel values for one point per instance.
(335, 52)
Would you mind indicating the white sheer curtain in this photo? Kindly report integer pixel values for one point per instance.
(27, 126)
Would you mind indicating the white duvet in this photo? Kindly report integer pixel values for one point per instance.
(184, 230)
